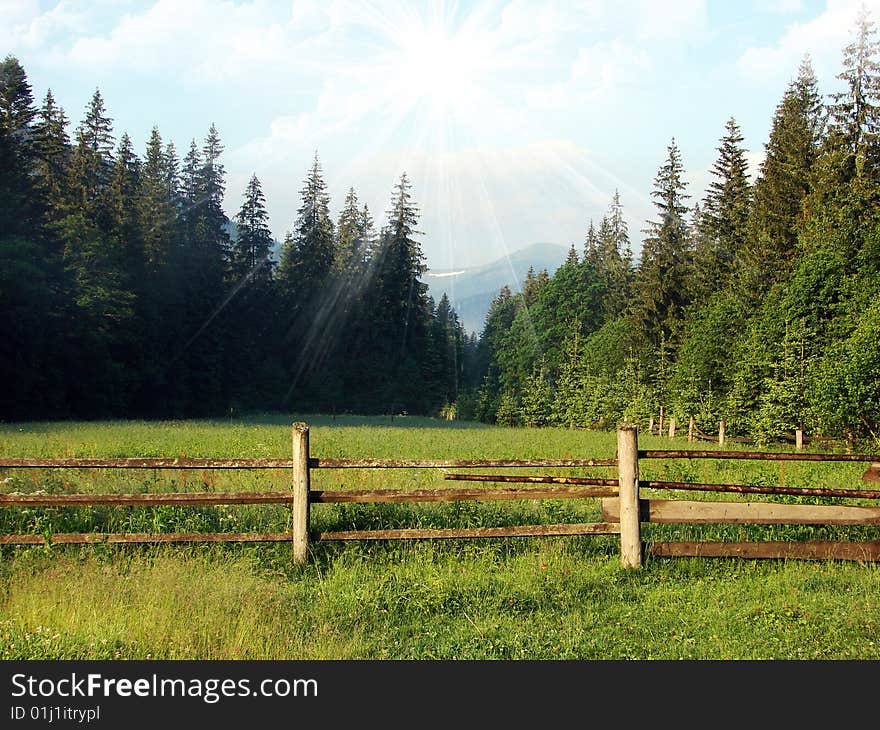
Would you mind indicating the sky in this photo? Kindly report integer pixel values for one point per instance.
(515, 120)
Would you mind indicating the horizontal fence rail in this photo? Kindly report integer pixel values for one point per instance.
(148, 463)
(755, 455)
(812, 550)
(760, 489)
(531, 479)
(623, 508)
(454, 464)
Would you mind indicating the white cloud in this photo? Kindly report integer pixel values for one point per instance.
(823, 37)
(781, 7)
(683, 20)
(598, 71)
(204, 40)
(16, 12)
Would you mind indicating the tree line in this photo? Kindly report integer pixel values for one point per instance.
(758, 304)
(126, 291)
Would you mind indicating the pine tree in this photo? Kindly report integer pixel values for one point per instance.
(190, 194)
(18, 209)
(855, 112)
(155, 206)
(309, 258)
(499, 320)
(212, 187)
(251, 315)
(611, 256)
(122, 194)
(53, 153)
(172, 172)
(659, 287)
(401, 307)
(351, 235)
(202, 274)
(92, 159)
(537, 399)
(448, 346)
(307, 293)
(723, 223)
(252, 250)
(34, 325)
(782, 186)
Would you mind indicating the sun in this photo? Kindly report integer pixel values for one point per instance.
(438, 68)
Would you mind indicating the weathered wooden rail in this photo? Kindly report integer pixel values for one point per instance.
(301, 496)
(761, 513)
(623, 508)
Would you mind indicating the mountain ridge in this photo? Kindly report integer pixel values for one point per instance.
(471, 289)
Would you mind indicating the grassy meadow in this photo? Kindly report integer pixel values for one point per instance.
(512, 598)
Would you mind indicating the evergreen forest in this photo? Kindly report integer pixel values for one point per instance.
(125, 291)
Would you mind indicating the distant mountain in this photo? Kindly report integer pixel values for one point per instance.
(472, 290)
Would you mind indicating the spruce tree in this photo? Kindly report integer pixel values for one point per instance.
(155, 206)
(251, 315)
(610, 253)
(172, 172)
(855, 112)
(53, 153)
(34, 322)
(308, 295)
(781, 187)
(252, 249)
(659, 287)
(18, 209)
(212, 187)
(122, 194)
(92, 160)
(403, 307)
(202, 273)
(351, 242)
(723, 222)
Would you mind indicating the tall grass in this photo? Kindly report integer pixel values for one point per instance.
(516, 598)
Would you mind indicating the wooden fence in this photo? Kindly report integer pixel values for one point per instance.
(623, 508)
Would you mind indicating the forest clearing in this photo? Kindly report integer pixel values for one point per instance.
(506, 598)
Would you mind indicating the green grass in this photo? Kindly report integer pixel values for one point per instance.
(516, 598)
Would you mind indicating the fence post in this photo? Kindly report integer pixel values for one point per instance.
(721, 433)
(799, 439)
(672, 427)
(691, 430)
(628, 488)
(300, 522)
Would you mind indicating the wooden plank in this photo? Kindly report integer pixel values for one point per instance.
(818, 550)
(757, 489)
(144, 500)
(524, 479)
(322, 463)
(146, 463)
(91, 538)
(872, 474)
(456, 495)
(759, 455)
(261, 463)
(315, 496)
(589, 528)
(758, 513)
